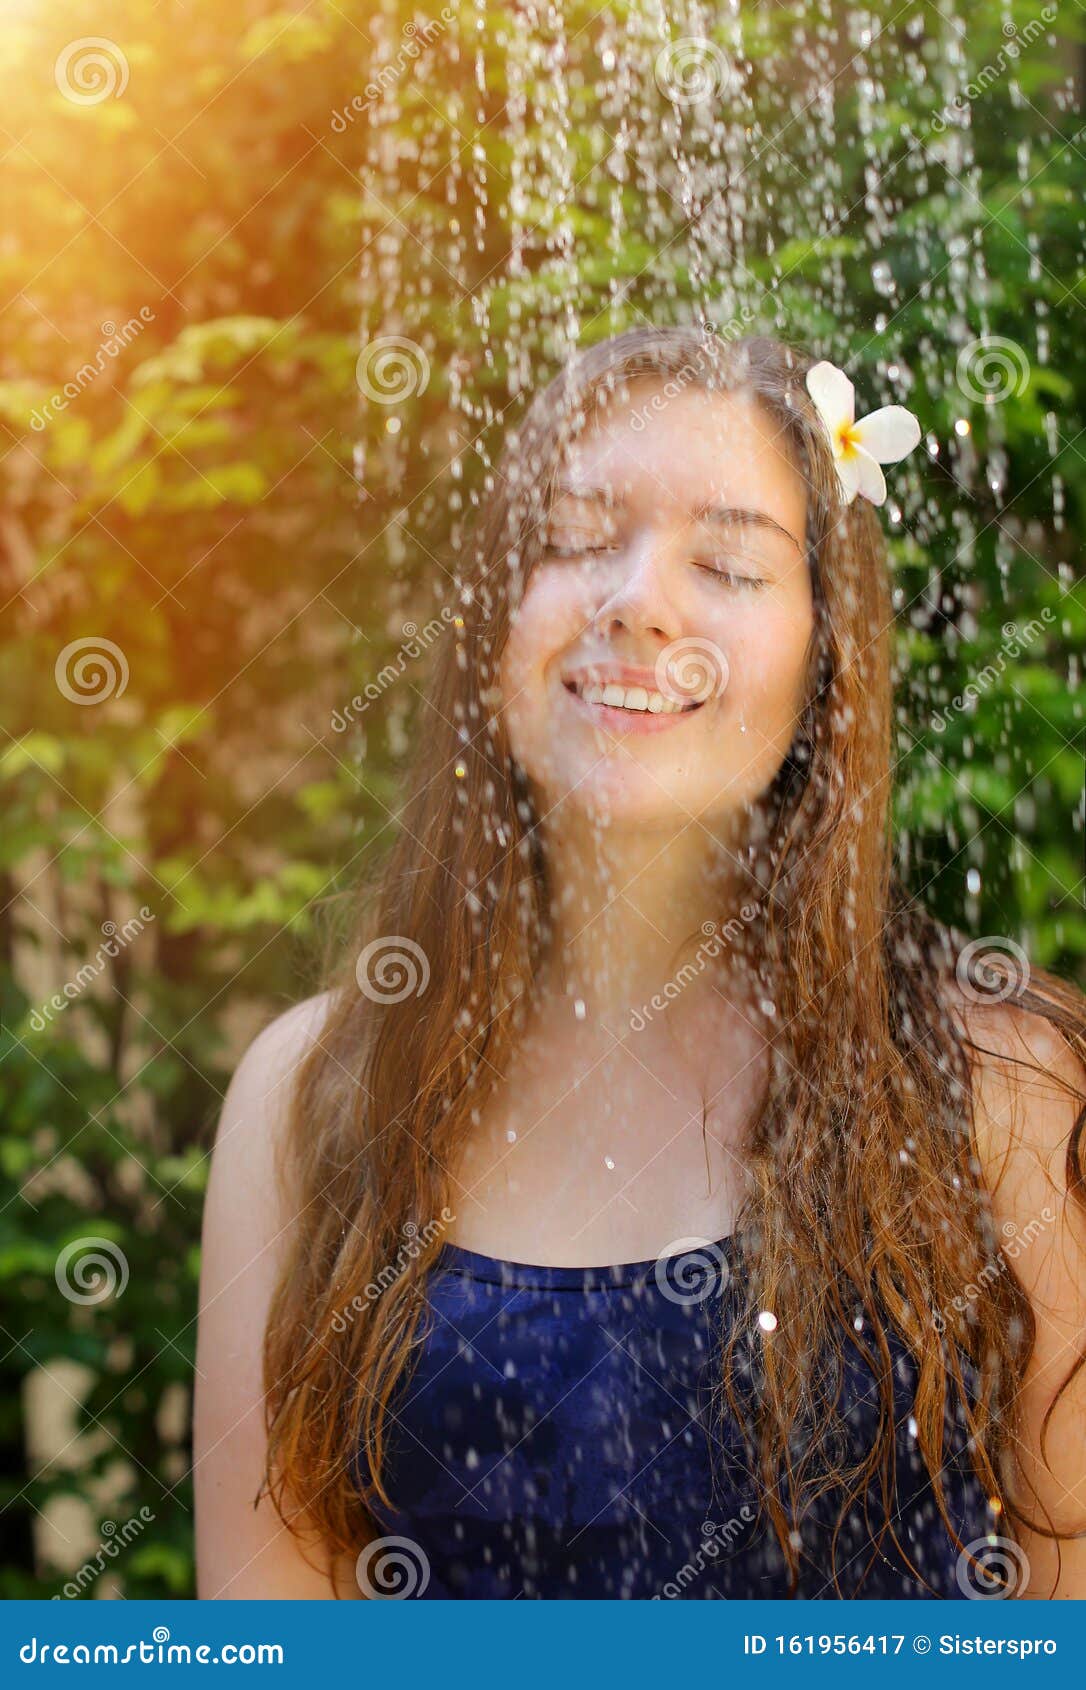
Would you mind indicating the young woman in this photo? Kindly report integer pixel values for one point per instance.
(659, 1204)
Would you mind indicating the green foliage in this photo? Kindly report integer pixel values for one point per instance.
(189, 504)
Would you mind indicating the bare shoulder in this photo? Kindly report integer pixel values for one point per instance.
(265, 1071)
(248, 1211)
(256, 1107)
(1029, 1089)
(1029, 1085)
(243, 1547)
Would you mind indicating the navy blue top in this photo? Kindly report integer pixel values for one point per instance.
(553, 1440)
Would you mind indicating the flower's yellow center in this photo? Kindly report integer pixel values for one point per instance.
(847, 440)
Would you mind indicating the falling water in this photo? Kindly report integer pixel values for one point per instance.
(541, 177)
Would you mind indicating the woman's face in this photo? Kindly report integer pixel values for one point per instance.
(674, 577)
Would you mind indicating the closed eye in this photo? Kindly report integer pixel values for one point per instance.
(577, 548)
(729, 579)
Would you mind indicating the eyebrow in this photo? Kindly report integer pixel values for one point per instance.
(724, 515)
(579, 490)
(730, 515)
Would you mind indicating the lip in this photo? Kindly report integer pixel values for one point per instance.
(623, 675)
(612, 716)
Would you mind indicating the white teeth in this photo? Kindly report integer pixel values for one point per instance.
(629, 698)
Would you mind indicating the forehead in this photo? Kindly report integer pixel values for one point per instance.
(670, 452)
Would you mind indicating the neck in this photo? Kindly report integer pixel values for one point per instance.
(627, 906)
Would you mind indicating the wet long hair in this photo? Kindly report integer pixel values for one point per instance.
(865, 1205)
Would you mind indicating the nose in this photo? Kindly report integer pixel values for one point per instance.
(640, 601)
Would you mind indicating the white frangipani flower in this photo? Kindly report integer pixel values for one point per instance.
(860, 447)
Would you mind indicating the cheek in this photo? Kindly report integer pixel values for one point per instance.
(551, 614)
(768, 666)
(538, 630)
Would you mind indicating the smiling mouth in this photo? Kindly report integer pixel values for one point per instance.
(638, 701)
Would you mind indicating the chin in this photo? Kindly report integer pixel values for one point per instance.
(628, 798)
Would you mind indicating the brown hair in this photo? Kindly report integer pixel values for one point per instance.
(865, 1058)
